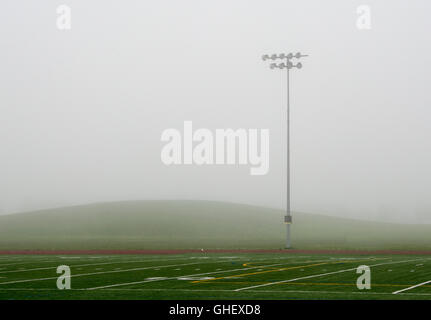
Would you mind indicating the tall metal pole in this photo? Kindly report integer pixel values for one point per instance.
(288, 216)
(289, 65)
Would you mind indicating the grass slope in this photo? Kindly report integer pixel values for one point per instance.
(196, 224)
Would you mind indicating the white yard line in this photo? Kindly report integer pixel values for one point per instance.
(113, 262)
(9, 259)
(62, 260)
(181, 276)
(105, 272)
(412, 287)
(321, 275)
(26, 262)
(17, 262)
(151, 267)
(91, 264)
(198, 274)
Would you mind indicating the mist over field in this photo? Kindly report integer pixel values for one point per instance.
(153, 225)
(82, 111)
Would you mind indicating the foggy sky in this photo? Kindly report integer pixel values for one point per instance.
(82, 111)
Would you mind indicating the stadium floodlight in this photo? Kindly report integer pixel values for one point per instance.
(265, 57)
(298, 55)
(288, 65)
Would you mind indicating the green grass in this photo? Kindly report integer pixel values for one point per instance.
(195, 225)
(182, 276)
(209, 225)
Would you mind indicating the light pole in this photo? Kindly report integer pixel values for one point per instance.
(288, 65)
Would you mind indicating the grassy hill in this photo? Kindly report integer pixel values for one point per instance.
(196, 224)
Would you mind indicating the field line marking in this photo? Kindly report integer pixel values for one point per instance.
(24, 262)
(269, 291)
(118, 262)
(138, 269)
(341, 284)
(317, 284)
(171, 278)
(114, 262)
(412, 287)
(105, 272)
(282, 269)
(260, 272)
(321, 275)
(189, 275)
(91, 264)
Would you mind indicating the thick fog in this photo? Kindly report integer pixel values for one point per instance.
(82, 110)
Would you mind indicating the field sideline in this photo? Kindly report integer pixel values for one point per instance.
(222, 275)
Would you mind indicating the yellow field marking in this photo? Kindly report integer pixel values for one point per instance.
(248, 264)
(261, 272)
(281, 269)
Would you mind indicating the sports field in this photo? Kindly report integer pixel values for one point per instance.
(215, 276)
